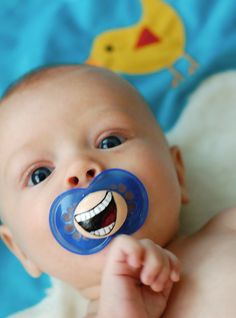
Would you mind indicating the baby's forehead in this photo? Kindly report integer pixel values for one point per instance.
(82, 74)
(59, 89)
(38, 77)
(83, 82)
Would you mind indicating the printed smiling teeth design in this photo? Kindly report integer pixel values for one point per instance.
(104, 231)
(98, 209)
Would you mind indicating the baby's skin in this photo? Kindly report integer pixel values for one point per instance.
(208, 282)
(143, 275)
(65, 137)
(59, 129)
(137, 279)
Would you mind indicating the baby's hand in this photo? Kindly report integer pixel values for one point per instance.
(137, 279)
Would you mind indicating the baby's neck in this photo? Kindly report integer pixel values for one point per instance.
(91, 293)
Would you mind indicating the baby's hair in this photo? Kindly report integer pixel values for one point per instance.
(33, 77)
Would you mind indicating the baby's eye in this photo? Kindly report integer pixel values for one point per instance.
(39, 175)
(110, 142)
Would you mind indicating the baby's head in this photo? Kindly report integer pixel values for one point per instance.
(59, 128)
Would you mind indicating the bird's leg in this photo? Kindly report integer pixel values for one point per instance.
(177, 76)
(193, 64)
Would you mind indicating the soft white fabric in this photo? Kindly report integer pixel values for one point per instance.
(61, 301)
(206, 132)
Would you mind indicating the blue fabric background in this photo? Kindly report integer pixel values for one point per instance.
(41, 32)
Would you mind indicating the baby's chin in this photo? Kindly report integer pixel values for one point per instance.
(91, 289)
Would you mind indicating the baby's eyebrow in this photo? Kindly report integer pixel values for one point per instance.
(18, 159)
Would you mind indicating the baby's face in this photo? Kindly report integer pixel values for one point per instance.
(61, 133)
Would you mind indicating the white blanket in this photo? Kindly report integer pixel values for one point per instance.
(206, 132)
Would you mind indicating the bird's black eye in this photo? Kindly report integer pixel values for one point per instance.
(109, 48)
(39, 175)
(110, 142)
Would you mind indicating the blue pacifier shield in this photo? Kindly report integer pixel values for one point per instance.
(84, 220)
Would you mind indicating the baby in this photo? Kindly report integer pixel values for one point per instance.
(60, 128)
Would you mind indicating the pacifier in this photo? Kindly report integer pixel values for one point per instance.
(85, 220)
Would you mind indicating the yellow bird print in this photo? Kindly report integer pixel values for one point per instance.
(156, 42)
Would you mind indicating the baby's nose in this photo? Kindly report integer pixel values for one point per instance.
(80, 174)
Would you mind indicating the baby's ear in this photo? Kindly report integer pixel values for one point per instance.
(8, 239)
(180, 170)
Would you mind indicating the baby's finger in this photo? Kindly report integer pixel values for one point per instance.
(174, 266)
(161, 280)
(154, 261)
(167, 289)
(126, 249)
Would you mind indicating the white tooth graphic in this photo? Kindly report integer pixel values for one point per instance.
(83, 217)
(111, 226)
(108, 197)
(92, 213)
(88, 215)
(102, 206)
(103, 231)
(105, 203)
(98, 209)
